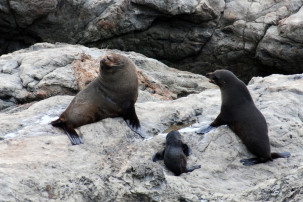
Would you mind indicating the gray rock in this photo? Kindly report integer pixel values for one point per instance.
(44, 70)
(171, 7)
(114, 164)
(192, 35)
(279, 53)
(292, 27)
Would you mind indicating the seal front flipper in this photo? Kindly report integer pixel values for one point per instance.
(216, 123)
(73, 136)
(192, 168)
(57, 123)
(158, 156)
(70, 132)
(186, 149)
(137, 130)
(131, 119)
(205, 130)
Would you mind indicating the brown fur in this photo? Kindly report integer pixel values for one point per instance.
(112, 94)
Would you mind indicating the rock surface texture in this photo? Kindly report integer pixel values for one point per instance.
(45, 70)
(38, 163)
(248, 37)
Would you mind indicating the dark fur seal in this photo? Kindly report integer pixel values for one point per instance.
(174, 154)
(112, 94)
(239, 112)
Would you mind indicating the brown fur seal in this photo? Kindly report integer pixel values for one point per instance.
(239, 112)
(112, 94)
(174, 154)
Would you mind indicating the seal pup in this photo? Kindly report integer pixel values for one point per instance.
(174, 154)
(239, 112)
(112, 94)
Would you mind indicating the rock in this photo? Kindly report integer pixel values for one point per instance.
(44, 70)
(38, 163)
(193, 35)
(292, 26)
(279, 53)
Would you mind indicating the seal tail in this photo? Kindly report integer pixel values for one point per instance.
(280, 155)
(70, 132)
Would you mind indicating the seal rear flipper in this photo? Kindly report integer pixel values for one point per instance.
(280, 155)
(131, 119)
(253, 161)
(205, 130)
(158, 156)
(192, 168)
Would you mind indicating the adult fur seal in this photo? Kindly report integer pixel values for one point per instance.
(174, 154)
(112, 94)
(239, 112)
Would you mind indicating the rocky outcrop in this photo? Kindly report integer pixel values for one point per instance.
(248, 37)
(46, 69)
(38, 163)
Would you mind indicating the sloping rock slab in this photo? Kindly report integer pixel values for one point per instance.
(38, 163)
(45, 70)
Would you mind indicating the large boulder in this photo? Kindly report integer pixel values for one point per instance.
(44, 70)
(38, 163)
(248, 37)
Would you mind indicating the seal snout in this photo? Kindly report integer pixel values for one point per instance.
(210, 76)
(106, 62)
(107, 57)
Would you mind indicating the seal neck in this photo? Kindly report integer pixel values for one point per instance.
(235, 94)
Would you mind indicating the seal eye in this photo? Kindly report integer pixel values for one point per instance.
(109, 58)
